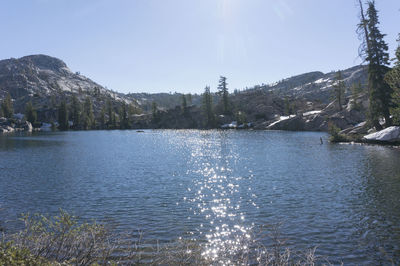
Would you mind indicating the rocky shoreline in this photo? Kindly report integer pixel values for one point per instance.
(14, 125)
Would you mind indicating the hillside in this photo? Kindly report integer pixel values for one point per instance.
(45, 81)
(315, 86)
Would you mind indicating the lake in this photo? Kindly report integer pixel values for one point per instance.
(215, 186)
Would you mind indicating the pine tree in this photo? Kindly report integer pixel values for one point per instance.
(102, 118)
(339, 90)
(378, 59)
(63, 116)
(223, 91)
(208, 108)
(124, 119)
(287, 108)
(111, 115)
(154, 112)
(30, 113)
(184, 104)
(393, 79)
(189, 98)
(88, 115)
(114, 120)
(7, 106)
(76, 112)
(356, 90)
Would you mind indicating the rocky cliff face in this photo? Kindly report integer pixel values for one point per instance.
(45, 81)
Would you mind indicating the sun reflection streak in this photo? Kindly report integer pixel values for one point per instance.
(217, 196)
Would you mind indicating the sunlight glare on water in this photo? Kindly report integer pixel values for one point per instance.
(218, 196)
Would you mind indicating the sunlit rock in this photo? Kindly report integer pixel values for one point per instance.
(390, 134)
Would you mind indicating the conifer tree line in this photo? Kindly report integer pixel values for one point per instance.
(81, 116)
(7, 107)
(222, 107)
(383, 86)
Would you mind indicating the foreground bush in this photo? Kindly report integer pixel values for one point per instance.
(61, 240)
(12, 256)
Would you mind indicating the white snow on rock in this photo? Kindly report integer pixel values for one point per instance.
(281, 119)
(321, 80)
(312, 112)
(390, 134)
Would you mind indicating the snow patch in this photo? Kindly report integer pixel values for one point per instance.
(312, 112)
(281, 119)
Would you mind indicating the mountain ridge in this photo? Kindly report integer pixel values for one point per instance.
(47, 80)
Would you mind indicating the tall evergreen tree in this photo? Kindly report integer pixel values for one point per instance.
(208, 107)
(124, 119)
(339, 90)
(189, 98)
(7, 106)
(30, 113)
(154, 111)
(378, 59)
(288, 110)
(111, 114)
(184, 104)
(102, 118)
(356, 90)
(88, 115)
(363, 33)
(63, 116)
(76, 113)
(393, 79)
(223, 91)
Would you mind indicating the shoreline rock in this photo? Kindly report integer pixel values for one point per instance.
(390, 134)
(13, 125)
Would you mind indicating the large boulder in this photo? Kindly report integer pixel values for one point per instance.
(295, 123)
(27, 126)
(315, 123)
(361, 128)
(390, 134)
(6, 129)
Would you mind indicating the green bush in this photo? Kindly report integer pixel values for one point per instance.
(61, 239)
(335, 135)
(11, 255)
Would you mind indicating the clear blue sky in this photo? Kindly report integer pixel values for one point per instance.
(183, 45)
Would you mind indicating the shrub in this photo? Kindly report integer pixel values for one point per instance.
(13, 256)
(63, 239)
(335, 135)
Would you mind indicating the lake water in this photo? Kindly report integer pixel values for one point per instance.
(216, 186)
